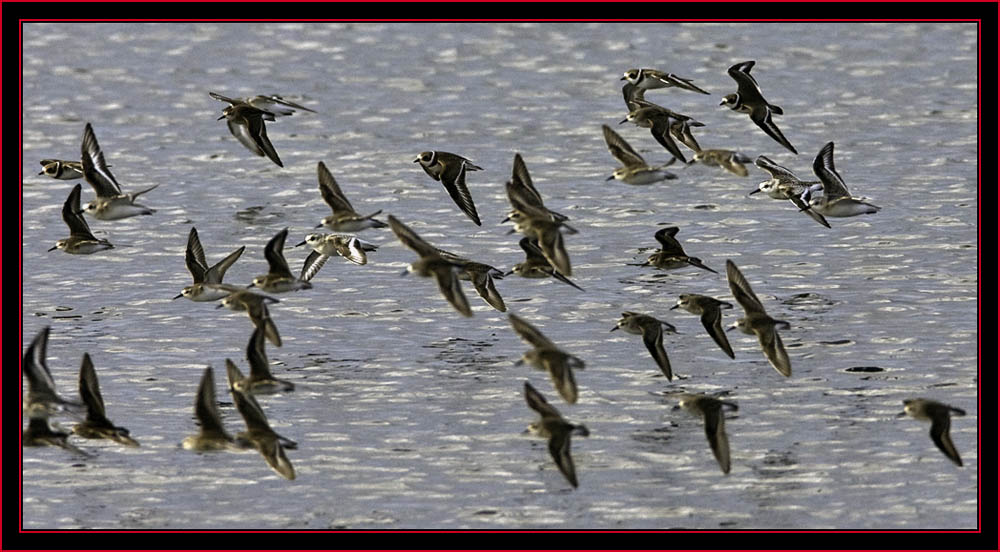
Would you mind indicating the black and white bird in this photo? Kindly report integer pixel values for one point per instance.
(749, 99)
(450, 169)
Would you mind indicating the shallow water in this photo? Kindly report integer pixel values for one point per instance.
(410, 416)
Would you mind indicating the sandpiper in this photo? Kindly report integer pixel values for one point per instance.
(538, 224)
(671, 254)
(536, 265)
(711, 409)
(344, 217)
(710, 310)
(728, 160)
(659, 121)
(259, 434)
(785, 185)
(547, 356)
(835, 201)
(260, 380)
(80, 241)
(246, 123)
(651, 330)
(279, 278)
(111, 203)
(348, 247)
(212, 436)
(553, 426)
(431, 263)
(939, 414)
(635, 170)
(43, 401)
(97, 425)
(481, 275)
(194, 258)
(757, 322)
(255, 305)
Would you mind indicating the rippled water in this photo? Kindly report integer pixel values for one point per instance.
(410, 416)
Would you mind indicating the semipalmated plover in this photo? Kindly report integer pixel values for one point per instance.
(749, 99)
(61, 170)
(449, 169)
(651, 79)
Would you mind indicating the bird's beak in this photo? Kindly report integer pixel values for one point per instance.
(320, 225)
(405, 272)
(41, 173)
(901, 414)
(508, 273)
(753, 192)
(54, 247)
(613, 329)
(219, 306)
(612, 177)
(417, 159)
(511, 231)
(623, 78)
(519, 362)
(179, 295)
(674, 307)
(723, 102)
(221, 118)
(505, 220)
(303, 242)
(250, 285)
(623, 121)
(806, 208)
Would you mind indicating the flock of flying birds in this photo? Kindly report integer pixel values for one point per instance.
(546, 257)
